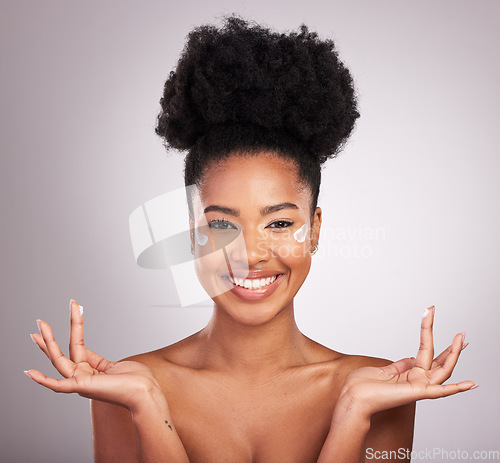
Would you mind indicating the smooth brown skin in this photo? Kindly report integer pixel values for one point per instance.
(250, 387)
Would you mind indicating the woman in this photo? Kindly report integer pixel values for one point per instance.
(259, 113)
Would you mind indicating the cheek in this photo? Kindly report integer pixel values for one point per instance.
(208, 267)
(291, 247)
(208, 263)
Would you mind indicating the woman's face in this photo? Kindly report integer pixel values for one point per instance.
(253, 236)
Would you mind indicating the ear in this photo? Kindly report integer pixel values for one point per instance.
(316, 227)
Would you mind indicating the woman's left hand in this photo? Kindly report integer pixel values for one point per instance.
(372, 389)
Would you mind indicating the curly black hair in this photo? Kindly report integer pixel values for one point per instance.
(243, 88)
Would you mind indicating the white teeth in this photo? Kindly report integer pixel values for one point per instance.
(253, 283)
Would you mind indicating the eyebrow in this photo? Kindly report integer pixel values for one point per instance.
(266, 210)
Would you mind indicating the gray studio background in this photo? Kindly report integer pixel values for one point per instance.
(410, 209)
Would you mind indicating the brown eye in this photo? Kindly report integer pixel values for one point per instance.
(221, 225)
(281, 224)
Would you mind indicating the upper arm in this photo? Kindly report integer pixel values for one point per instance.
(113, 433)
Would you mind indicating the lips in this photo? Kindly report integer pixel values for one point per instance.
(253, 294)
(253, 274)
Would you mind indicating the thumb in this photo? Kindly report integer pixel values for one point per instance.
(400, 366)
(98, 362)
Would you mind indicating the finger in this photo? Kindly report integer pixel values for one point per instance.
(93, 359)
(426, 351)
(435, 391)
(98, 362)
(441, 374)
(56, 385)
(38, 340)
(439, 360)
(62, 363)
(400, 366)
(76, 343)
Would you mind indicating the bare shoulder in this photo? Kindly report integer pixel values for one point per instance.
(360, 361)
(341, 364)
(173, 363)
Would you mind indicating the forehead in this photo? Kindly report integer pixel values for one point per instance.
(262, 178)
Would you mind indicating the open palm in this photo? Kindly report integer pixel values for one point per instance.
(409, 379)
(87, 373)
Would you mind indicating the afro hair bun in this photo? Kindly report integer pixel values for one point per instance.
(244, 75)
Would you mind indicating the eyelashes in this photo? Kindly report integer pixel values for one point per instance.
(286, 222)
(223, 224)
(219, 224)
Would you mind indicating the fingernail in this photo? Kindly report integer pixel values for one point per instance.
(27, 374)
(465, 345)
(81, 309)
(426, 312)
(38, 324)
(463, 337)
(70, 302)
(33, 339)
(474, 387)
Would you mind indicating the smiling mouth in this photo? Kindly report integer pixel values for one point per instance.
(252, 283)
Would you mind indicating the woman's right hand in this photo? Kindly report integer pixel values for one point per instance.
(88, 374)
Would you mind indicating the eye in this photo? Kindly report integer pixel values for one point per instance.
(281, 224)
(221, 225)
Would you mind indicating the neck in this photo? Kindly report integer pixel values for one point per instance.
(252, 350)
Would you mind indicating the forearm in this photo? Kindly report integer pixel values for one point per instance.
(157, 439)
(345, 442)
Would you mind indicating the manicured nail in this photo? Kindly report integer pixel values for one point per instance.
(465, 345)
(38, 324)
(81, 309)
(33, 339)
(463, 337)
(426, 312)
(474, 387)
(27, 374)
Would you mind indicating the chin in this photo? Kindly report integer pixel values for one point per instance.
(250, 313)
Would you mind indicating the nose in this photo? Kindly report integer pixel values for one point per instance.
(250, 248)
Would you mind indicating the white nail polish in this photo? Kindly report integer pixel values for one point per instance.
(426, 312)
(81, 309)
